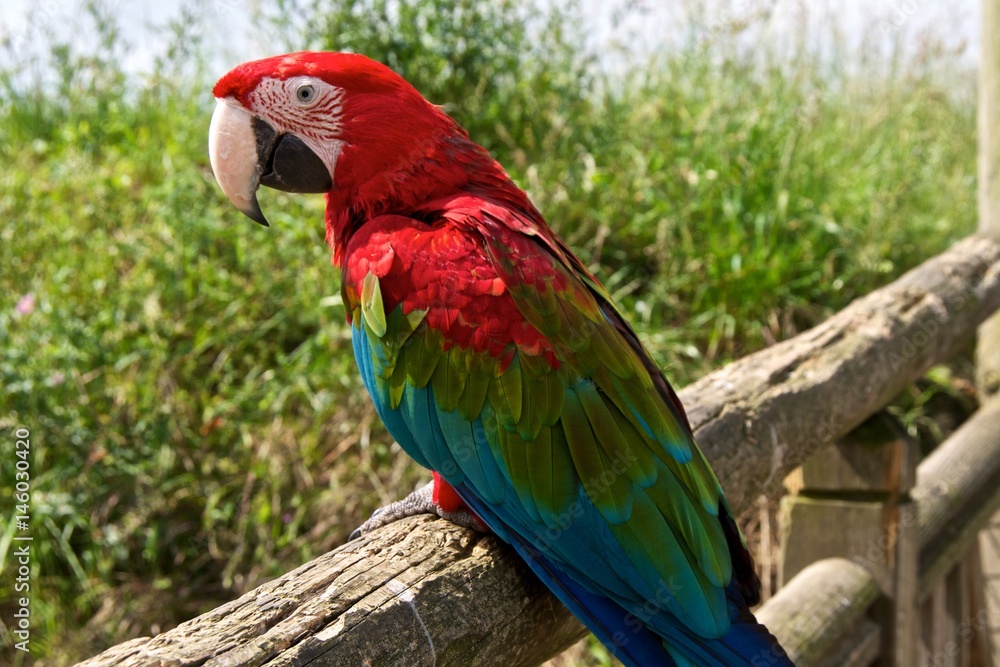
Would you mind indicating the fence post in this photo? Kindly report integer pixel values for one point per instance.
(989, 544)
(988, 348)
(852, 500)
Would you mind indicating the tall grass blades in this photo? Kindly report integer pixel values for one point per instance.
(187, 376)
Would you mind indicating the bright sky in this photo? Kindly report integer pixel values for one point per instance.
(649, 21)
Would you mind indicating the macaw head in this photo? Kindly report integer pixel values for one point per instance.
(336, 123)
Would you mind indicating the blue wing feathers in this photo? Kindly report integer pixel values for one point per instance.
(393, 419)
(473, 456)
(553, 533)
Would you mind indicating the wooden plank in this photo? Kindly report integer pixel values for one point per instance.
(957, 492)
(311, 609)
(965, 612)
(957, 604)
(925, 648)
(937, 629)
(954, 623)
(818, 528)
(978, 624)
(900, 618)
(989, 543)
(877, 456)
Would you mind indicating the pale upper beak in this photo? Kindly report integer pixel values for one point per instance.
(246, 152)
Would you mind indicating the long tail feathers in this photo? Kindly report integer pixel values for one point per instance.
(633, 642)
(749, 638)
(636, 645)
(624, 634)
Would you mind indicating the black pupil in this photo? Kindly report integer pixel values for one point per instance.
(305, 93)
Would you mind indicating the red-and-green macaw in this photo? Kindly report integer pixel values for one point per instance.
(498, 361)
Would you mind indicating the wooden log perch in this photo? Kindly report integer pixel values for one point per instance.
(826, 602)
(420, 591)
(425, 592)
(762, 416)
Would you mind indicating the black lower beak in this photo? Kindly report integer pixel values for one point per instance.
(288, 164)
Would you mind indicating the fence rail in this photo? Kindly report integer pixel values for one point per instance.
(826, 612)
(424, 592)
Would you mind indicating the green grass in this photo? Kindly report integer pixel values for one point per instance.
(187, 376)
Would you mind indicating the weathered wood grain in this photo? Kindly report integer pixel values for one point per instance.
(958, 490)
(762, 416)
(423, 585)
(988, 131)
(819, 608)
(988, 346)
(418, 592)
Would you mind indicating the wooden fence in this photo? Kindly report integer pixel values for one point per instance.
(425, 592)
(907, 586)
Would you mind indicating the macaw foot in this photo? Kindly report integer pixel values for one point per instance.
(436, 497)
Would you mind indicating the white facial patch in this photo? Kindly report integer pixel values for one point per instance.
(316, 118)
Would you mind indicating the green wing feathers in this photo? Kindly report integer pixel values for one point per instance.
(585, 413)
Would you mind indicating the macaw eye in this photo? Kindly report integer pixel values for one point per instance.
(305, 93)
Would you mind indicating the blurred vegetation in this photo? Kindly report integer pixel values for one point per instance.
(197, 421)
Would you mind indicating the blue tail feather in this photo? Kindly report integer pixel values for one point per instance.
(648, 637)
(635, 645)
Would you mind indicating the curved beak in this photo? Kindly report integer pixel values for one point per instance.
(246, 152)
